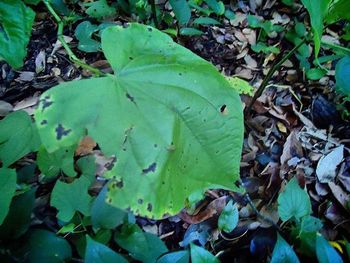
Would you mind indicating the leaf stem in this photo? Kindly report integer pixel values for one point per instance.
(70, 53)
(335, 46)
(269, 75)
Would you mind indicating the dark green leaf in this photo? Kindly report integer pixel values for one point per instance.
(105, 215)
(342, 75)
(32, 2)
(18, 137)
(293, 202)
(83, 33)
(201, 255)
(206, 21)
(288, 2)
(230, 15)
(7, 190)
(262, 47)
(98, 253)
(16, 20)
(325, 252)
(181, 10)
(100, 9)
(310, 224)
(45, 246)
(50, 164)
(217, 6)
(69, 198)
(18, 220)
(142, 246)
(338, 10)
(283, 253)
(175, 257)
(229, 217)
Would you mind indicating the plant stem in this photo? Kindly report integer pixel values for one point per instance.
(154, 13)
(60, 37)
(270, 74)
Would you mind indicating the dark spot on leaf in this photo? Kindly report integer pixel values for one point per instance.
(150, 29)
(223, 107)
(155, 145)
(180, 74)
(109, 166)
(140, 201)
(120, 184)
(43, 122)
(61, 131)
(149, 207)
(151, 168)
(163, 182)
(124, 149)
(131, 98)
(45, 102)
(109, 200)
(131, 58)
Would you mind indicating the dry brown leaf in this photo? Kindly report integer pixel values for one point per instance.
(86, 146)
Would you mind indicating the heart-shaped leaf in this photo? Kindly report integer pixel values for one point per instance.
(16, 20)
(170, 119)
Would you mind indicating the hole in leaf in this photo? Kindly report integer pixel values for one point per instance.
(151, 168)
(149, 207)
(61, 131)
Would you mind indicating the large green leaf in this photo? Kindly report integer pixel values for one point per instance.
(283, 253)
(7, 190)
(98, 253)
(16, 20)
(18, 136)
(170, 118)
(317, 10)
(201, 255)
(69, 198)
(325, 252)
(142, 246)
(338, 9)
(342, 75)
(293, 202)
(45, 246)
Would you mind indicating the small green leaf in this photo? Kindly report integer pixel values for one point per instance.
(283, 253)
(181, 10)
(240, 85)
(230, 15)
(45, 246)
(229, 217)
(175, 257)
(69, 198)
(201, 255)
(315, 73)
(83, 33)
(317, 10)
(262, 47)
(15, 31)
(288, 2)
(100, 9)
(104, 215)
(293, 202)
(50, 164)
(69, 228)
(18, 137)
(342, 75)
(189, 31)
(325, 252)
(217, 6)
(98, 253)
(18, 218)
(7, 190)
(310, 224)
(206, 21)
(141, 245)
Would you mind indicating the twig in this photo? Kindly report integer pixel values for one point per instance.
(60, 37)
(270, 74)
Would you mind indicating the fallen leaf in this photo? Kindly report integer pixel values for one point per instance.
(326, 166)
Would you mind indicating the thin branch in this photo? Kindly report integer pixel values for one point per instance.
(60, 37)
(270, 74)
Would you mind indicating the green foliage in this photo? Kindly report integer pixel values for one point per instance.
(83, 33)
(267, 26)
(69, 198)
(18, 137)
(100, 9)
(175, 257)
(45, 246)
(7, 190)
(325, 252)
(229, 217)
(181, 10)
(283, 253)
(158, 140)
(262, 47)
(141, 245)
(240, 85)
(342, 75)
(15, 31)
(201, 255)
(98, 253)
(293, 202)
